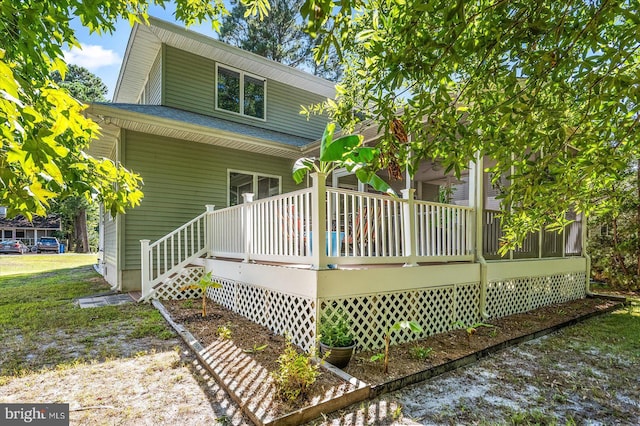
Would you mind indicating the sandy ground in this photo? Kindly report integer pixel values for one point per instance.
(165, 388)
(553, 380)
(548, 381)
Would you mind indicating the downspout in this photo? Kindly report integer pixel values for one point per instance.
(586, 257)
(483, 287)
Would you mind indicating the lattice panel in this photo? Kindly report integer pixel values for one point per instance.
(293, 316)
(467, 298)
(279, 312)
(435, 309)
(171, 288)
(224, 296)
(524, 294)
(508, 297)
(251, 302)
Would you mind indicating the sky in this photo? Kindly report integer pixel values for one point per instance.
(102, 54)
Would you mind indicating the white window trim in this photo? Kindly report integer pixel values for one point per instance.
(255, 181)
(242, 75)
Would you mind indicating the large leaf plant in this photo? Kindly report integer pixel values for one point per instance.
(346, 152)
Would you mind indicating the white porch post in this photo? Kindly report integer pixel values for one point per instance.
(476, 200)
(144, 267)
(408, 211)
(208, 229)
(585, 252)
(319, 221)
(247, 213)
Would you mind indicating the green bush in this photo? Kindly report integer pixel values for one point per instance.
(335, 329)
(296, 373)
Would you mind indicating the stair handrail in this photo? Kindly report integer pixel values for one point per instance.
(199, 246)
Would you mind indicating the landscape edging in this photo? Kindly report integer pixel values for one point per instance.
(364, 391)
(304, 414)
(401, 382)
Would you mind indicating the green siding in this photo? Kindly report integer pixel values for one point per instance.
(109, 243)
(190, 85)
(180, 178)
(189, 81)
(154, 95)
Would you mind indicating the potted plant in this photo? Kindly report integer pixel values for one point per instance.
(336, 338)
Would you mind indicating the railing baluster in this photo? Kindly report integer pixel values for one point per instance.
(449, 231)
(165, 257)
(158, 261)
(173, 254)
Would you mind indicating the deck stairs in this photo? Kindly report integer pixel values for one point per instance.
(172, 287)
(175, 261)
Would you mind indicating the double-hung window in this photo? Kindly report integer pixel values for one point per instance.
(240, 93)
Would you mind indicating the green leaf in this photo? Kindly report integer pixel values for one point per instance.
(302, 167)
(339, 148)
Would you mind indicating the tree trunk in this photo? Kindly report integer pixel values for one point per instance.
(616, 252)
(81, 236)
(638, 219)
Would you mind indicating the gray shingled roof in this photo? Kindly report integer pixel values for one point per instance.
(49, 222)
(212, 123)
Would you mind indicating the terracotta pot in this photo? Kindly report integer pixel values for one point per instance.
(339, 356)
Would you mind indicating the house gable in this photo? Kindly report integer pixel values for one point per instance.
(168, 65)
(192, 88)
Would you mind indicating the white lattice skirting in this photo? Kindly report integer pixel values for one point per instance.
(172, 288)
(435, 309)
(517, 295)
(284, 314)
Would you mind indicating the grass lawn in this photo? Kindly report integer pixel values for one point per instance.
(33, 263)
(41, 327)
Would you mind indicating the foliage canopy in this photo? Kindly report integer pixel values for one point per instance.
(44, 133)
(549, 90)
(280, 36)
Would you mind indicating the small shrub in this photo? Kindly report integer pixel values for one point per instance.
(203, 284)
(400, 325)
(255, 349)
(296, 373)
(224, 332)
(420, 352)
(377, 357)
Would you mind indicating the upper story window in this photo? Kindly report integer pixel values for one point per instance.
(240, 93)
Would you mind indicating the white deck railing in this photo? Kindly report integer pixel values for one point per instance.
(353, 228)
(317, 226)
(443, 230)
(227, 232)
(281, 227)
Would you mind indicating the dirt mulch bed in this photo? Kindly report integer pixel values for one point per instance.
(459, 343)
(251, 338)
(444, 347)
